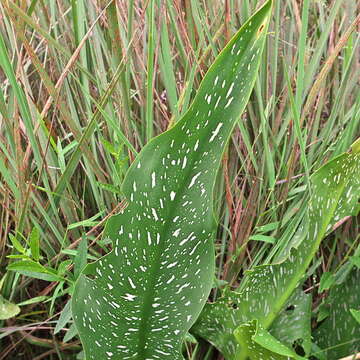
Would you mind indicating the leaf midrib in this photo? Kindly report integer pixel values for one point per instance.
(155, 268)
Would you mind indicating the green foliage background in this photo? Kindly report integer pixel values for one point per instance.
(85, 85)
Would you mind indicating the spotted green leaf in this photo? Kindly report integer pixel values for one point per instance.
(139, 301)
(335, 190)
(293, 325)
(339, 334)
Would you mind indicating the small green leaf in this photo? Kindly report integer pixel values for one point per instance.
(63, 267)
(33, 300)
(110, 148)
(34, 242)
(16, 244)
(64, 318)
(23, 257)
(343, 272)
(34, 269)
(108, 187)
(8, 309)
(264, 238)
(86, 223)
(326, 281)
(80, 258)
(74, 253)
(268, 227)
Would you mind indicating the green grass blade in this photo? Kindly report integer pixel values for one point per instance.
(301, 56)
(150, 71)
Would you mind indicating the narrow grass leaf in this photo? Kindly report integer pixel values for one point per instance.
(71, 333)
(264, 238)
(64, 318)
(34, 242)
(33, 300)
(80, 258)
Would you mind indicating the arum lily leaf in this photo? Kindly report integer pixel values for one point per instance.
(293, 325)
(257, 343)
(339, 334)
(335, 191)
(139, 301)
